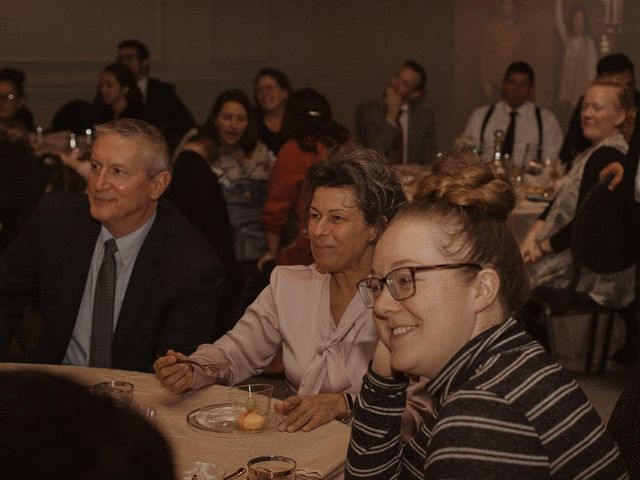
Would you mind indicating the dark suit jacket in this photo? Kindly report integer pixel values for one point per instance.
(164, 109)
(170, 302)
(374, 131)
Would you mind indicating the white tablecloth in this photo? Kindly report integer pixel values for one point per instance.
(319, 454)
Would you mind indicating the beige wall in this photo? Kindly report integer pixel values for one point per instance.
(346, 49)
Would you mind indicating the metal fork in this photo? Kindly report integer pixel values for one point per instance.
(206, 368)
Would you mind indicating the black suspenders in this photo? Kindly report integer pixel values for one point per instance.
(540, 135)
(487, 116)
(485, 120)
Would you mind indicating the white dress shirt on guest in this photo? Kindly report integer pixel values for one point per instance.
(142, 85)
(526, 137)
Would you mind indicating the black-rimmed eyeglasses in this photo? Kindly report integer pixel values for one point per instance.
(401, 282)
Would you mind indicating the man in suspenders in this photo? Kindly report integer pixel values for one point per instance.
(529, 131)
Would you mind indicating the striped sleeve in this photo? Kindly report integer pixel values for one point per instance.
(481, 433)
(375, 449)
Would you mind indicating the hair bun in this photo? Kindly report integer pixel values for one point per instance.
(467, 182)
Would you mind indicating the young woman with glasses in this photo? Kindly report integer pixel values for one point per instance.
(446, 280)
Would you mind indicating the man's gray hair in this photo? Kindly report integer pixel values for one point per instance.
(153, 147)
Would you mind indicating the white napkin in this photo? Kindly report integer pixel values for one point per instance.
(205, 471)
(326, 458)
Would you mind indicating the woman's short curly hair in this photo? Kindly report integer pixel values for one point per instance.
(376, 187)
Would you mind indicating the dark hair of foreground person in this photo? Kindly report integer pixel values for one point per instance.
(55, 428)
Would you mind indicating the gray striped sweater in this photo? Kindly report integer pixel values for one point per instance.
(504, 410)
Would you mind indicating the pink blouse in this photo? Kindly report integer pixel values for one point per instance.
(293, 312)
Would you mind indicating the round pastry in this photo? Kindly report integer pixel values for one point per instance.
(251, 421)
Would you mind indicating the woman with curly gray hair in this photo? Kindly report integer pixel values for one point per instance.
(313, 312)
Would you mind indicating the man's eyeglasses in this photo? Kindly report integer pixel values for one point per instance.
(7, 97)
(401, 282)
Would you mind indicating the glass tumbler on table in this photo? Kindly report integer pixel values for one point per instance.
(120, 392)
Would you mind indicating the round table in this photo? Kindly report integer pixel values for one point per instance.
(320, 453)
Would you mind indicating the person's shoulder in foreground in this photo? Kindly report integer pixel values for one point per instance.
(55, 428)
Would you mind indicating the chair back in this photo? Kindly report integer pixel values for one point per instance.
(601, 236)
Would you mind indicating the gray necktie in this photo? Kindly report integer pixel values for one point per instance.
(102, 327)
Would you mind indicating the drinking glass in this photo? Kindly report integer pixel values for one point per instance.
(120, 392)
(270, 467)
(149, 413)
(252, 404)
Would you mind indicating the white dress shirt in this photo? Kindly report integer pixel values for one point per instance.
(526, 136)
(142, 85)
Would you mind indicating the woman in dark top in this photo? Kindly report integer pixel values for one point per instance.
(446, 279)
(607, 121)
(118, 95)
(273, 94)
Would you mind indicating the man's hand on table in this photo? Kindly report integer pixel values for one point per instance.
(306, 412)
(176, 377)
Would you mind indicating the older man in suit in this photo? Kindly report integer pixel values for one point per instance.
(396, 125)
(162, 106)
(119, 275)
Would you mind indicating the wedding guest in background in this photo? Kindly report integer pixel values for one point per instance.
(162, 106)
(397, 125)
(273, 94)
(607, 118)
(283, 214)
(16, 120)
(118, 273)
(55, 428)
(530, 132)
(118, 96)
(242, 165)
(313, 312)
(446, 280)
(615, 67)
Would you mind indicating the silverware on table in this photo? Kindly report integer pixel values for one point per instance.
(206, 368)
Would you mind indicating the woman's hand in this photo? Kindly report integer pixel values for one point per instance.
(176, 377)
(264, 259)
(530, 248)
(614, 170)
(71, 159)
(381, 363)
(307, 412)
